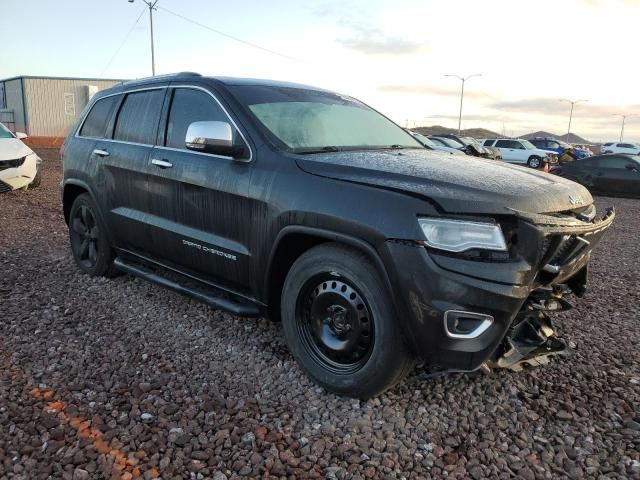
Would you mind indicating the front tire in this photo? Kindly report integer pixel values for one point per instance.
(340, 324)
(89, 242)
(534, 162)
(37, 180)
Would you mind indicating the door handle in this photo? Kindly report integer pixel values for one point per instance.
(161, 163)
(100, 153)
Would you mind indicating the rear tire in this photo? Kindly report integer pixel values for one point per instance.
(88, 237)
(534, 162)
(340, 324)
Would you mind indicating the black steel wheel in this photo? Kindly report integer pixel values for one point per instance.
(335, 324)
(340, 323)
(84, 236)
(89, 242)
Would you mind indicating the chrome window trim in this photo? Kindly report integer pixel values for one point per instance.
(84, 118)
(162, 147)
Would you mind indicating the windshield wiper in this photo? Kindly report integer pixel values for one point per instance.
(328, 148)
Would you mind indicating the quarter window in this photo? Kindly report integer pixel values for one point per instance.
(188, 106)
(138, 118)
(95, 125)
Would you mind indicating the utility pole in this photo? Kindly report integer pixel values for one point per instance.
(463, 80)
(152, 7)
(571, 115)
(624, 119)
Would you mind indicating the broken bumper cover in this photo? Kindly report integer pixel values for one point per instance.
(457, 312)
(18, 173)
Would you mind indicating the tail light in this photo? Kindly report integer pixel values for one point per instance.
(62, 150)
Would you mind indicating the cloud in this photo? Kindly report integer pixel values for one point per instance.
(425, 89)
(553, 106)
(373, 41)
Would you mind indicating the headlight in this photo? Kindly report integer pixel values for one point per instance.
(460, 235)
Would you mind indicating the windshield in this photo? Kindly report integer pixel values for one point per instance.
(528, 145)
(306, 121)
(4, 132)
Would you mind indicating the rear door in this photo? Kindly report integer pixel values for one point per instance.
(124, 160)
(200, 210)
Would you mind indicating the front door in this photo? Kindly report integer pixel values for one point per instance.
(614, 177)
(200, 210)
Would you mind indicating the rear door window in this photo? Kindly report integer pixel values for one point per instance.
(95, 125)
(138, 118)
(188, 106)
(508, 144)
(615, 162)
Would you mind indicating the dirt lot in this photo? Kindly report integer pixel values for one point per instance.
(120, 378)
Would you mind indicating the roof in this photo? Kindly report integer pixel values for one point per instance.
(227, 81)
(60, 78)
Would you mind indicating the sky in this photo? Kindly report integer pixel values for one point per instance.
(392, 55)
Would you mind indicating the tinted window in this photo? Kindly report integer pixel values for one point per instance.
(95, 125)
(138, 117)
(626, 145)
(608, 144)
(539, 143)
(508, 144)
(488, 143)
(614, 162)
(189, 106)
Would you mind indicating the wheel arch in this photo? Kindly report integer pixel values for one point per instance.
(292, 242)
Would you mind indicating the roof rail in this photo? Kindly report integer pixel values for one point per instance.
(163, 76)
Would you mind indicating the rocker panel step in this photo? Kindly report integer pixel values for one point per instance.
(203, 293)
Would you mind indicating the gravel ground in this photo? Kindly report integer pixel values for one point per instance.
(123, 379)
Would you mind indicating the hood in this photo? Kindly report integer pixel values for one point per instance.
(456, 184)
(12, 148)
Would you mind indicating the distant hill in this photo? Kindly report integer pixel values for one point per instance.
(469, 132)
(573, 139)
(484, 133)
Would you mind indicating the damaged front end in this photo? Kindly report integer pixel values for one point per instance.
(531, 338)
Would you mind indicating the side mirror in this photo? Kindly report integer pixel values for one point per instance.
(213, 137)
(633, 168)
(21, 135)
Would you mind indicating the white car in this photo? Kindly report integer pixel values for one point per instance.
(515, 150)
(427, 142)
(19, 165)
(621, 147)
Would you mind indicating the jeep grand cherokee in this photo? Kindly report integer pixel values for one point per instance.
(269, 198)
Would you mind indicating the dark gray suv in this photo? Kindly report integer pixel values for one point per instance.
(269, 198)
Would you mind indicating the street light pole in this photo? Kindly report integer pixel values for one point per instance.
(571, 115)
(624, 119)
(463, 80)
(151, 5)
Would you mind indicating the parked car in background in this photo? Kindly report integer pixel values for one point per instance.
(427, 142)
(271, 198)
(471, 146)
(19, 165)
(621, 147)
(558, 146)
(521, 151)
(609, 174)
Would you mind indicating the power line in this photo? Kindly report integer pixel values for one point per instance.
(123, 42)
(273, 52)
